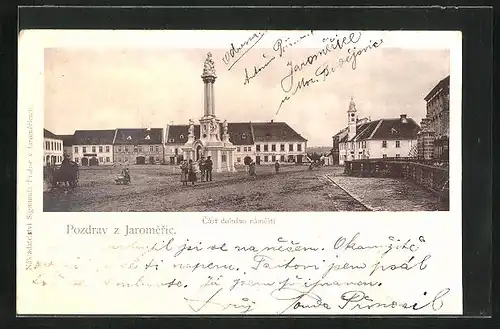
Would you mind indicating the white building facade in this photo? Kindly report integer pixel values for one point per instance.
(382, 138)
(53, 149)
(93, 147)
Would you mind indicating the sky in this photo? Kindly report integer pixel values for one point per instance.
(134, 87)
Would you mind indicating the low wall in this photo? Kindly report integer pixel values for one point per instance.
(435, 178)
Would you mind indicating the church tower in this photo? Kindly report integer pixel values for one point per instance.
(351, 119)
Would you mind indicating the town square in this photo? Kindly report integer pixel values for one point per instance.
(394, 161)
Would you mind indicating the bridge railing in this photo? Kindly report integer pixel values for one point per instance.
(427, 173)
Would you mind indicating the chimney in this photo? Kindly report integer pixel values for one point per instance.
(403, 118)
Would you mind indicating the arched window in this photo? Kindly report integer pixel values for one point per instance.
(181, 136)
(243, 136)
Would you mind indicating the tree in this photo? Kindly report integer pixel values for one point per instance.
(314, 156)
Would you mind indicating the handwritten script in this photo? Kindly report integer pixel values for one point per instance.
(344, 273)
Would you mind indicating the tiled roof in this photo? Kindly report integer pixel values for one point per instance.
(275, 132)
(385, 129)
(178, 134)
(94, 137)
(443, 84)
(67, 139)
(49, 134)
(139, 136)
(240, 133)
(397, 129)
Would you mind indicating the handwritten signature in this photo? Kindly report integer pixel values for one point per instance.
(198, 304)
(234, 54)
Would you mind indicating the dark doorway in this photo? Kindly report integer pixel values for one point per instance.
(151, 160)
(93, 161)
(140, 160)
(172, 160)
(257, 159)
(85, 162)
(299, 158)
(47, 160)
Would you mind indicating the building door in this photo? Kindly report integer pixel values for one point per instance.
(85, 162)
(257, 159)
(299, 158)
(140, 160)
(93, 161)
(151, 159)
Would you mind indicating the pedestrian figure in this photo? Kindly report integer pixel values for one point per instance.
(251, 170)
(184, 172)
(192, 172)
(208, 168)
(277, 166)
(201, 164)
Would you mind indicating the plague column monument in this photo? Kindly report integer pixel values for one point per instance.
(210, 143)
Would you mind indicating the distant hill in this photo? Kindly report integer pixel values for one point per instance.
(319, 149)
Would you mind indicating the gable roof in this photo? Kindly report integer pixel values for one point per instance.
(138, 136)
(275, 132)
(443, 84)
(67, 139)
(94, 137)
(49, 134)
(240, 133)
(385, 129)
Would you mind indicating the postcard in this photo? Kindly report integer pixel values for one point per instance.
(268, 172)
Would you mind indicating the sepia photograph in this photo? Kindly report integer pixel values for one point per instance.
(279, 127)
(265, 172)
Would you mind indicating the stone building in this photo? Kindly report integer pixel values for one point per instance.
(93, 147)
(138, 146)
(382, 138)
(438, 115)
(425, 141)
(52, 148)
(263, 142)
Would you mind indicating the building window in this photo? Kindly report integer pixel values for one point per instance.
(108, 159)
(135, 149)
(243, 136)
(107, 148)
(157, 149)
(384, 143)
(384, 155)
(140, 149)
(76, 149)
(266, 158)
(266, 148)
(299, 147)
(238, 159)
(76, 160)
(257, 147)
(100, 149)
(101, 160)
(238, 149)
(84, 149)
(290, 147)
(398, 155)
(273, 147)
(398, 143)
(282, 158)
(282, 147)
(126, 149)
(224, 158)
(93, 149)
(249, 149)
(181, 136)
(273, 158)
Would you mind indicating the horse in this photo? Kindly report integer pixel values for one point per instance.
(67, 174)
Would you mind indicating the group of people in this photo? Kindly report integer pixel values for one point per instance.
(189, 170)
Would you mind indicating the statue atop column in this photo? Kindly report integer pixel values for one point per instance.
(191, 128)
(209, 66)
(224, 127)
